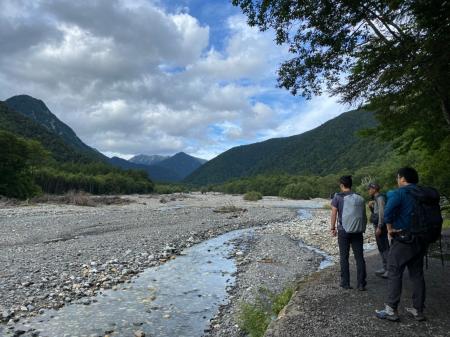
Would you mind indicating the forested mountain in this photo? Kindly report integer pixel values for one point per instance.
(36, 110)
(20, 124)
(182, 164)
(148, 159)
(155, 172)
(332, 147)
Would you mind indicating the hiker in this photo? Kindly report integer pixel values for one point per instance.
(377, 219)
(350, 210)
(406, 250)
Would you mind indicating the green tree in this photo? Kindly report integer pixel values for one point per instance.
(393, 54)
(19, 158)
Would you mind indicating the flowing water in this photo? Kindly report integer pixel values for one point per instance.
(177, 298)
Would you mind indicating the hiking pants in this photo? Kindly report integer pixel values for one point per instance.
(356, 241)
(383, 245)
(403, 255)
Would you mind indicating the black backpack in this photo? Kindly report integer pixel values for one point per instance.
(426, 220)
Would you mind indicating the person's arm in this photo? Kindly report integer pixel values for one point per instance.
(381, 204)
(334, 211)
(389, 210)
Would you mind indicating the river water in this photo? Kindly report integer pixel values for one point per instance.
(177, 298)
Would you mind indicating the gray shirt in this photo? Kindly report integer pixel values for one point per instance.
(378, 209)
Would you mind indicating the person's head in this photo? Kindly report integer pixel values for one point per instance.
(373, 189)
(406, 176)
(345, 183)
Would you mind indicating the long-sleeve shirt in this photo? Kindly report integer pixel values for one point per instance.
(399, 208)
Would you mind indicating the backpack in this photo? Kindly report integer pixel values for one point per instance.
(354, 218)
(426, 219)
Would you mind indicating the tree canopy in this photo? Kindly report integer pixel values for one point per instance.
(392, 54)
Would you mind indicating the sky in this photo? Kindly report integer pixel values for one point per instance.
(152, 76)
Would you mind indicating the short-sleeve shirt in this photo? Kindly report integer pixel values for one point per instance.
(338, 202)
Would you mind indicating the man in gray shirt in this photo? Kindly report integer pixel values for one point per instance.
(377, 219)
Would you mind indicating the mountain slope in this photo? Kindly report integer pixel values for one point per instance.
(181, 163)
(21, 125)
(329, 148)
(36, 110)
(148, 160)
(155, 173)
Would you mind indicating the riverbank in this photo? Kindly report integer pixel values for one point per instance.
(54, 255)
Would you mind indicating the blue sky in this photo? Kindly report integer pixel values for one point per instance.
(152, 77)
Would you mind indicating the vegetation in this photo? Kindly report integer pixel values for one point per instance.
(254, 318)
(330, 148)
(20, 158)
(393, 54)
(170, 188)
(253, 196)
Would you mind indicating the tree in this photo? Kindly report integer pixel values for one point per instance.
(18, 160)
(393, 54)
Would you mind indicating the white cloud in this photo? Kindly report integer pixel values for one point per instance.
(130, 77)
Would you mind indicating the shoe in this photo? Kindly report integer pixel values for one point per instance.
(416, 314)
(362, 288)
(380, 272)
(387, 313)
(385, 275)
(346, 287)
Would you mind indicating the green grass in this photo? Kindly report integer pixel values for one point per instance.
(254, 318)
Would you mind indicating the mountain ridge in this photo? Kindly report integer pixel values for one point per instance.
(330, 148)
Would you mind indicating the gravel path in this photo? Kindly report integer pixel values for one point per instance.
(56, 254)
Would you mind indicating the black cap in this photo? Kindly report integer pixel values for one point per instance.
(374, 186)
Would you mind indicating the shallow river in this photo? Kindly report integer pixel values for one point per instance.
(177, 298)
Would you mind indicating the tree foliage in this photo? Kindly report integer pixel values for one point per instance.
(392, 54)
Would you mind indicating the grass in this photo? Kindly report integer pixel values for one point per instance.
(252, 196)
(446, 224)
(229, 209)
(254, 318)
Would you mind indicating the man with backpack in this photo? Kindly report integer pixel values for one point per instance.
(413, 219)
(349, 209)
(377, 219)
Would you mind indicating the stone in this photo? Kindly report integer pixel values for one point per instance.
(139, 333)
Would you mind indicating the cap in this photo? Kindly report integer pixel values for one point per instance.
(374, 186)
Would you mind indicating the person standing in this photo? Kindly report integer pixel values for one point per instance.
(348, 208)
(405, 251)
(377, 219)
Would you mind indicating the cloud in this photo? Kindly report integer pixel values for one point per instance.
(133, 77)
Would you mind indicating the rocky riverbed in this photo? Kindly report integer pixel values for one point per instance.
(54, 255)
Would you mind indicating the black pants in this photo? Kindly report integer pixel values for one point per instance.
(403, 255)
(383, 245)
(356, 241)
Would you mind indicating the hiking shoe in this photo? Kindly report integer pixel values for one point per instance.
(380, 272)
(346, 287)
(416, 314)
(387, 313)
(362, 288)
(385, 274)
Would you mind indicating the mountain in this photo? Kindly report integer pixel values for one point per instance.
(181, 163)
(156, 173)
(330, 148)
(148, 159)
(21, 125)
(37, 111)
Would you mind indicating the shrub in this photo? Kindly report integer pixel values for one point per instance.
(252, 196)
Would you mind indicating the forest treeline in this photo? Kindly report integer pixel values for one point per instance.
(28, 169)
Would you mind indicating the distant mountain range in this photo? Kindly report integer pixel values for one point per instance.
(330, 148)
(30, 118)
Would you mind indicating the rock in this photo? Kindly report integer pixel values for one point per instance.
(86, 301)
(139, 333)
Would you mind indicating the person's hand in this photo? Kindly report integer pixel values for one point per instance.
(392, 232)
(333, 232)
(378, 232)
(371, 203)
